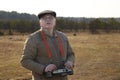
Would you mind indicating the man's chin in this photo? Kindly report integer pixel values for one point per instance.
(48, 27)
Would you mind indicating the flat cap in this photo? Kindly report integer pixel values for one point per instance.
(41, 14)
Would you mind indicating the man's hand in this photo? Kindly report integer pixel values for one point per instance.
(69, 65)
(50, 67)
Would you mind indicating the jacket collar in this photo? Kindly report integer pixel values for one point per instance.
(47, 33)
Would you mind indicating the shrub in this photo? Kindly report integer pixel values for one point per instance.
(1, 33)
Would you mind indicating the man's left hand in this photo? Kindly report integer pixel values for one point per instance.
(69, 65)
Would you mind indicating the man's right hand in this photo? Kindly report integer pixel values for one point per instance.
(50, 67)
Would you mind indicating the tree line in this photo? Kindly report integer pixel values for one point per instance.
(11, 22)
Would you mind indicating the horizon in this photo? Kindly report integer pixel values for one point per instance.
(58, 16)
(65, 8)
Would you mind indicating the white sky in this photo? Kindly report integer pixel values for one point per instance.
(65, 8)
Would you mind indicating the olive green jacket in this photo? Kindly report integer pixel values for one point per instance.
(35, 56)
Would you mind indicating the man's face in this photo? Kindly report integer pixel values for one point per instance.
(48, 21)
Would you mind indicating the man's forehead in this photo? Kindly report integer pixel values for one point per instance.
(48, 15)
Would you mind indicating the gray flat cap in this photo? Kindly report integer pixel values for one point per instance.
(41, 14)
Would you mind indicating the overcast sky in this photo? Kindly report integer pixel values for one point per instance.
(65, 8)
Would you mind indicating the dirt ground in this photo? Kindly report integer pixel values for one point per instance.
(97, 57)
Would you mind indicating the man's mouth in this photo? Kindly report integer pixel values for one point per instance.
(48, 23)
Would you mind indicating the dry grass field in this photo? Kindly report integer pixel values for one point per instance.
(97, 57)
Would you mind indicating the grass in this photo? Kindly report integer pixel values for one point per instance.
(97, 57)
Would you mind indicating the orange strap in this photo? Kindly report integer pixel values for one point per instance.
(46, 44)
(60, 45)
(47, 47)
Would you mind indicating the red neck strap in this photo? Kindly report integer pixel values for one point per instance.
(47, 46)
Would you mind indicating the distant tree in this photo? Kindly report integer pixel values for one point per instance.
(94, 25)
(114, 25)
(9, 28)
(83, 25)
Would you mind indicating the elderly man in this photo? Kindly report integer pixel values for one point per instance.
(47, 52)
